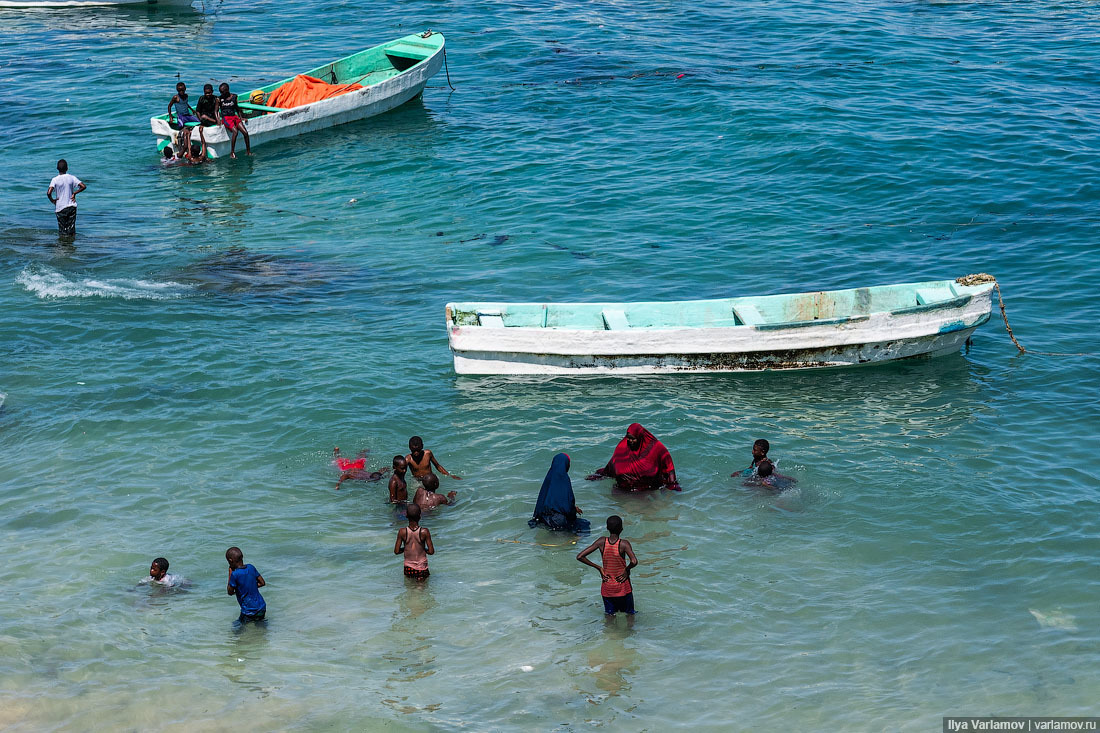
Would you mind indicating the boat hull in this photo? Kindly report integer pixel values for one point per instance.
(356, 105)
(921, 331)
(753, 361)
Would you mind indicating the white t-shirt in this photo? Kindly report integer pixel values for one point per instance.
(168, 579)
(63, 187)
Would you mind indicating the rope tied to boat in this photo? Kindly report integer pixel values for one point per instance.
(981, 278)
(428, 34)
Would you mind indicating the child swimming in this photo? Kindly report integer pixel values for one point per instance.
(355, 470)
(766, 476)
(158, 574)
(426, 496)
(760, 450)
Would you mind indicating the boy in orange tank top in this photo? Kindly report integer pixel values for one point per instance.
(618, 595)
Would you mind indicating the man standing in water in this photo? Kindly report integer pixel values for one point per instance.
(62, 194)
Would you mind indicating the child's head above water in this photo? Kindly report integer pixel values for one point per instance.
(431, 482)
(760, 449)
(765, 468)
(158, 568)
(416, 444)
(400, 465)
(234, 557)
(615, 524)
(412, 511)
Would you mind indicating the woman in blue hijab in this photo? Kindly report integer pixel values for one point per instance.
(557, 507)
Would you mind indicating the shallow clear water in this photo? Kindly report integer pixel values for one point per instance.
(175, 379)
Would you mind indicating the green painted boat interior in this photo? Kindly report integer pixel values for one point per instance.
(767, 311)
(368, 67)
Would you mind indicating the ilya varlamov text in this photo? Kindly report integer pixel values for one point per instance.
(953, 725)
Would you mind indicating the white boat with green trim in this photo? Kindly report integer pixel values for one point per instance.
(391, 74)
(831, 328)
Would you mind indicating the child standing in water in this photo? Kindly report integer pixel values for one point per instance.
(399, 490)
(245, 581)
(421, 460)
(618, 595)
(416, 542)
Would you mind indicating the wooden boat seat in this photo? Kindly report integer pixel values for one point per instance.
(615, 320)
(925, 296)
(747, 314)
(408, 51)
(491, 319)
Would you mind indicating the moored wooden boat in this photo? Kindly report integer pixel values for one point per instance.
(797, 331)
(390, 74)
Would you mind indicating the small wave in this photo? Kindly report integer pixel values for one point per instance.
(49, 283)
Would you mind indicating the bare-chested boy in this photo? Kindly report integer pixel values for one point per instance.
(426, 496)
(421, 461)
(399, 490)
(760, 450)
(767, 476)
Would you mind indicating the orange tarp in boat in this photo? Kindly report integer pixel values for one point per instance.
(304, 89)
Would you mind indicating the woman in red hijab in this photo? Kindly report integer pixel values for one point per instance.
(640, 462)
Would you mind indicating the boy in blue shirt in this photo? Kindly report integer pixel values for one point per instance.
(245, 581)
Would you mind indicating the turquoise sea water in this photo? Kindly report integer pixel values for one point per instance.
(176, 378)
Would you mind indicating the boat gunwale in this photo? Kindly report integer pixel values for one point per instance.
(955, 303)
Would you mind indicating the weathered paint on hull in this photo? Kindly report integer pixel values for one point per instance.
(358, 105)
(822, 358)
(930, 329)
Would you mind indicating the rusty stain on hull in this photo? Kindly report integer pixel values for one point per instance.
(749, 361)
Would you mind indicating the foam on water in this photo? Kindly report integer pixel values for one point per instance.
(46, 282)
(1054, 619)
